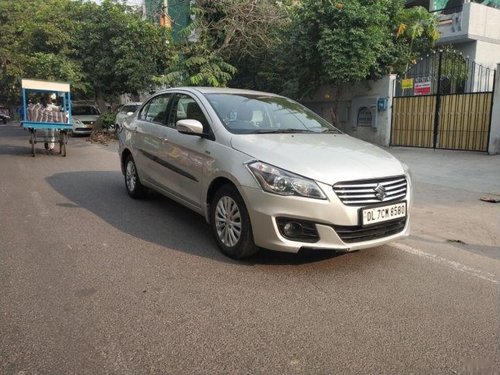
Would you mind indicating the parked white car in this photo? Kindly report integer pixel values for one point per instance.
(264, 171)
(84, 118)
(125, 111)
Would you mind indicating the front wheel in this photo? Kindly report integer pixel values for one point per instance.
(231, 225)
(134, 187)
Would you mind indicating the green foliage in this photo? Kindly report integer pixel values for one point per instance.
(33, 45)
(107, 119)
(284, 46)
(347, 41)
(123, 52)
(224, 35)
(102, 50)
(198, 66)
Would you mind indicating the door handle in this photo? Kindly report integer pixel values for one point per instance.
(164, 139)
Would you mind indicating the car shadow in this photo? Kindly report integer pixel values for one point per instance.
(157, 219)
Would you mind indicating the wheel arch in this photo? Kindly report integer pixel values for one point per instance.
(215, 185)
(125, 153)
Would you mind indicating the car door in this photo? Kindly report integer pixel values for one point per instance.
(148, 135)
(187, 156)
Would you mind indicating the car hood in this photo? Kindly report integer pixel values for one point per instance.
(86, 117)
(328, 158)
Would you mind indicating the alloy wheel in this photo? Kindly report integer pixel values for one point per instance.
(131, 176)
(228, 221)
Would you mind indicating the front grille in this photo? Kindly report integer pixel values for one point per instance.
(363, 193)
(373, 232)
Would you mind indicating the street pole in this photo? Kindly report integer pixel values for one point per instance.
(438, 102)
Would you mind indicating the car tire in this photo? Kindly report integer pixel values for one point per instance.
(231, 225)
(132, 182)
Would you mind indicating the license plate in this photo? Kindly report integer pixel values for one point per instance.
(382, 213)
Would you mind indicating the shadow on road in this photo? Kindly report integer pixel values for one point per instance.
(15, 150)
(157, 219)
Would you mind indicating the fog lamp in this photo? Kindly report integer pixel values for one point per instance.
(292, 229)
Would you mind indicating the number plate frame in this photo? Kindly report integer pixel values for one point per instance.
(378, 206)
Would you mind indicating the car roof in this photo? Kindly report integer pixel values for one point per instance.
(220, 90)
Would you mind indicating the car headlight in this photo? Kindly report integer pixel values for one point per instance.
(277, 181)
(406, 169)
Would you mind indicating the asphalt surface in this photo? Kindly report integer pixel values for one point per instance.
(93, 282)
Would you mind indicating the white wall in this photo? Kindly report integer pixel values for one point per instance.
(488, 54)
(474, 22)
(494, 146)
(345, 103)
(484, 22)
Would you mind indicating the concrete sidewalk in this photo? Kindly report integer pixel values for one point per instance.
(448, 218)
(464, 170)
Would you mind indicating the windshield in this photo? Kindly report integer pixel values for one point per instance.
(254, 114)
(84, 110)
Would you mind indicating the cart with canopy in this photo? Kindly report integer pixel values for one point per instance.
(52, 122)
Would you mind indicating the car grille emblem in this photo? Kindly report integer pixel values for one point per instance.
(380, 192)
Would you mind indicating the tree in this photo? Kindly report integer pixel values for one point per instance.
(34, 45)
(224, 34)
(120, 52)
(348, 41)
(102, 50)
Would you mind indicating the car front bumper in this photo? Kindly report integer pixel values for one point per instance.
(83, 129)
(330, 218)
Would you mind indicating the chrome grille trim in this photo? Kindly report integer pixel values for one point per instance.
(362, 193)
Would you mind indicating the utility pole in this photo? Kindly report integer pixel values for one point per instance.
(165, 20)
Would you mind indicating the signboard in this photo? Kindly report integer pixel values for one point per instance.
(422, 88)
(407, 83)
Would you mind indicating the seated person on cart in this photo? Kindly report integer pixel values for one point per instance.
(46, 111)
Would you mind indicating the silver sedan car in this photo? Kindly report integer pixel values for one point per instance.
(264, 171)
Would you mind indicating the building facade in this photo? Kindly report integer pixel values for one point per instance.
(171, 13)
(471, 27)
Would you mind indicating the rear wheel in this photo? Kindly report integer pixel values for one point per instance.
(32, 142)
(63, 140)
(134, 187)
(231, 225)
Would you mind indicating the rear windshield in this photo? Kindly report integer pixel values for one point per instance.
(254, 114)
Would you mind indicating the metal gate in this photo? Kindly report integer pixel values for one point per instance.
(444, 101)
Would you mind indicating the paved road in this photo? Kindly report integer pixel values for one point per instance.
(93, 282)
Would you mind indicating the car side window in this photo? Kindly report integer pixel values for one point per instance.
(156, 109)
(185, 107)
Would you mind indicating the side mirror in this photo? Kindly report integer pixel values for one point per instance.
(193, 127)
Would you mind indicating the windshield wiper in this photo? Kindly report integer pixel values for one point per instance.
(335, 131)
(281, 131)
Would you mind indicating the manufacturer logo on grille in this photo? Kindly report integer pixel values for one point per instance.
(380, 192)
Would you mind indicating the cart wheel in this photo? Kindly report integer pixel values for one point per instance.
(63, 140)
(32, 141)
